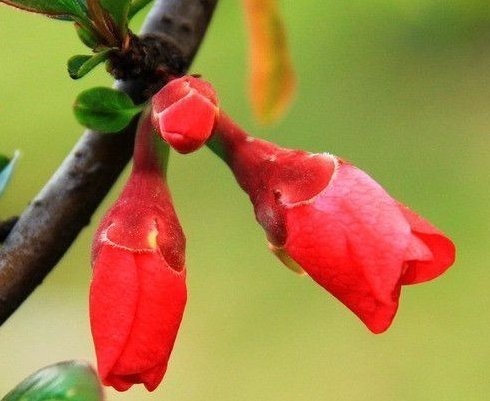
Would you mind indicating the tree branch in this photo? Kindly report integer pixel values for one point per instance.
(6, 226)
(50, 224)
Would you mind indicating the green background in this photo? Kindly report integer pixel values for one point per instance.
(400, 88)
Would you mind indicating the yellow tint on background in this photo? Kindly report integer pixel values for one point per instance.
(272, 79)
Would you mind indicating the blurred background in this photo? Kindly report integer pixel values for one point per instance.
(399, 87)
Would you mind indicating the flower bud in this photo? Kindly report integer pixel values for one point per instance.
(138, 291)
(184, 113)
(329, 218)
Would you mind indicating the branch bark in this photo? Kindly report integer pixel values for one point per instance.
(53, 220)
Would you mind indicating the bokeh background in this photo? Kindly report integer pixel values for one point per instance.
(401, 88)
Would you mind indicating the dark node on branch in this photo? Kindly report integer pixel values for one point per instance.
(207, 4)
(150, 58)
(6, 226)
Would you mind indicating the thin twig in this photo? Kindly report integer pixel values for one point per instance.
(50, 224)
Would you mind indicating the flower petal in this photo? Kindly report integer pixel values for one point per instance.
(120, 383)
(113, 301)
(352, 240)
(153, 376)
(188, 123)
(442, 249)
(184, 113)
(170, 94)
(162, 298)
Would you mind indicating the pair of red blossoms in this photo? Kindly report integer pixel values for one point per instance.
(322, 216)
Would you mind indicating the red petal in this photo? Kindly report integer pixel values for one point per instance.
(417, 250)
(150, 378)
(442, 250)
(170, 93)
(120, 383)
(352, 240)
(162, 298)
(184, 113)
(178, 88)
(188, 123)
(203, 88)
(113, 300)
(153, 377)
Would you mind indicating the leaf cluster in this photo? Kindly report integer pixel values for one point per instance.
(102, 25)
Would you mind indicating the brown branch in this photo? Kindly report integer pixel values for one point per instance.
(6, 226)
(50, 224)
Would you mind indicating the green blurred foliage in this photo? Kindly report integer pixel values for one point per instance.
(62, 381)
(401, 88)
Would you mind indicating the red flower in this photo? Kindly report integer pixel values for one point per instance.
(184, 113)
(337, 224)
(138, 291)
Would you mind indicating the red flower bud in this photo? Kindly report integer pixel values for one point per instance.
(138, 291)
(337, 223)
(184, 112)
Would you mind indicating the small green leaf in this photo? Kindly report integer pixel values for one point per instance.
(136, 6)
(105, 109)
(62, 9)
(118, 10)
(64, 381)
(6, 170)
(80, 65)
(87, 37)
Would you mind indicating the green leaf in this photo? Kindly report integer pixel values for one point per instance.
(118, 10)
(87, 36)
(64, 381)
(136, 6)
(80, 65)
(105, 109)
(63, 9)
(6, 170)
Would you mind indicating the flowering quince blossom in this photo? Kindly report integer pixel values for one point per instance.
(138, 291)
(327, 217)
(184, 112)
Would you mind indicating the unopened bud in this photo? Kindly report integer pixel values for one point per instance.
(184, 113)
